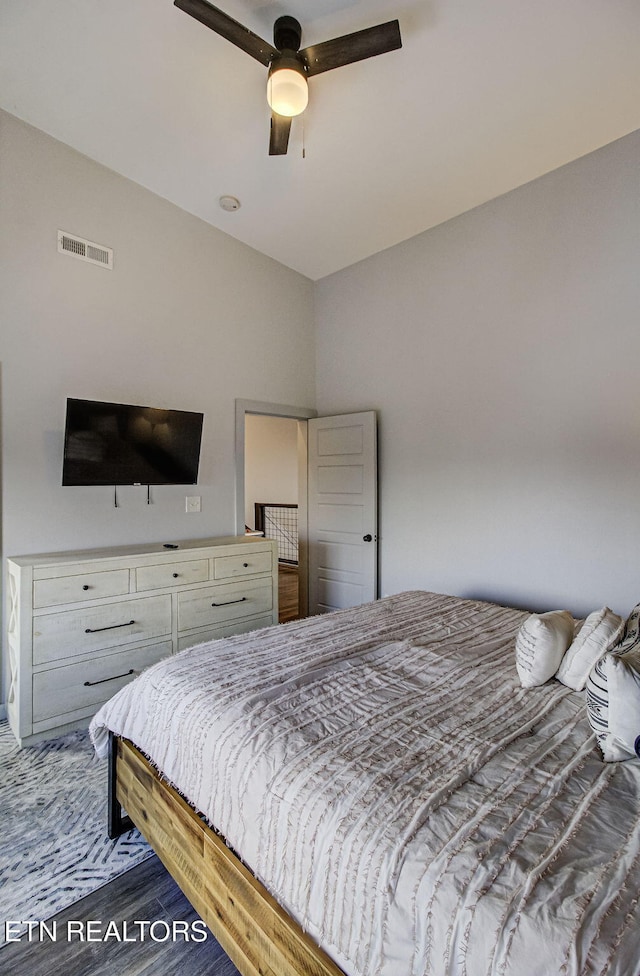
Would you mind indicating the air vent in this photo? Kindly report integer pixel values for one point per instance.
(89, 251)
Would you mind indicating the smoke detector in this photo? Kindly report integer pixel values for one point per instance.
(229, 203)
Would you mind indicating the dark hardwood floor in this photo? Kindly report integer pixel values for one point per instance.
(146, 893)
(288, 593)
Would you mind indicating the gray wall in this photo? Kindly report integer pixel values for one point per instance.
(502, 351)
(176, 324)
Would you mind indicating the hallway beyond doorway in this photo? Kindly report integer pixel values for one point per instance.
(288, 585)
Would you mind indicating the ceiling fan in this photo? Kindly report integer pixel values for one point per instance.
(289, 67)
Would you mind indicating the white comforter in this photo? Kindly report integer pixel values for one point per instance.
(385, 775)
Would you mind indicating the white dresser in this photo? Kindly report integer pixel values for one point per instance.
(82, 624)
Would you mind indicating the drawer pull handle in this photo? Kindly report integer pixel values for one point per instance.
(86, 586)
(229, 602)
(246, 565)
(96, 630)
(102, 680)
(175, 575)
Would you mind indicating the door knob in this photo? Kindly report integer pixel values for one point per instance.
(367, 538)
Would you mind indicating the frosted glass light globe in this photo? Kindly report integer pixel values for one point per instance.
(287, 92)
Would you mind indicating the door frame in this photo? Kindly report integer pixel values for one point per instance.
(301, 414)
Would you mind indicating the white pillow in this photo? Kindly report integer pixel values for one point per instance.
(598, 634)
(540, 645)
(613, 705)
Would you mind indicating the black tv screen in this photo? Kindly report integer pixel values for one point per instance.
(121, 444)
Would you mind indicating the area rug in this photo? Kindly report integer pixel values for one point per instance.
(53, 827)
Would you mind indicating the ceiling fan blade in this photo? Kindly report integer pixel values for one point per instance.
(279, 138)
(229, 28)
(352, 47)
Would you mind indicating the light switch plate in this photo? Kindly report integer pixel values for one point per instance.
(192, 503)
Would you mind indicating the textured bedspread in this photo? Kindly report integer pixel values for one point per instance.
(384, 774)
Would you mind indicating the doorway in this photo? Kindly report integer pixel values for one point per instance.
(271, 497)
(271, 472)
(337, 503)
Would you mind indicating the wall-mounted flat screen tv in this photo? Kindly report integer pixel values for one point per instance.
(121, 444)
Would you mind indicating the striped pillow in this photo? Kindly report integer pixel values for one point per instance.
(630, 638)
(613, 705)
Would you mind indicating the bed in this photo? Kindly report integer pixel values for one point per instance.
(372, 792)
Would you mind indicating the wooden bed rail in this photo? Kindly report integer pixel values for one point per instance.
(257, 934)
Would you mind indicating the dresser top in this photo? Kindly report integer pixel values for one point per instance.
(141, 549)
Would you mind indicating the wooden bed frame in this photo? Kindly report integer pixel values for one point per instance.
(256, 933)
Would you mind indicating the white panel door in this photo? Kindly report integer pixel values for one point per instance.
(342, 499)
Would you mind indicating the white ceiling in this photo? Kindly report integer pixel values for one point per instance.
(484, 96)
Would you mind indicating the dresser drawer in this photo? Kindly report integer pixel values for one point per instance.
(172, 574)
(72, 633)
(247, 564)
(75, 589)
(216, 604)
(90, 683)
(240, 626)
(201, 636)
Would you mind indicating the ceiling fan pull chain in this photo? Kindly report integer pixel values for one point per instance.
(304, 148)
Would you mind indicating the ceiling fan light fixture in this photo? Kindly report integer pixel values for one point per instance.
(290, 65)
(287, 89)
